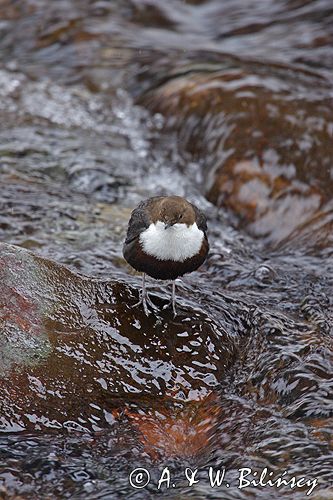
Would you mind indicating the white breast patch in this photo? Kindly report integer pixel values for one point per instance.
(178, 242)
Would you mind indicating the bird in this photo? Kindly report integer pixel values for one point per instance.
(166, 238)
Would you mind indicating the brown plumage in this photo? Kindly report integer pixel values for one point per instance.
(170, 213)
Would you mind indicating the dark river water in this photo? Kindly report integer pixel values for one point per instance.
(105, 103)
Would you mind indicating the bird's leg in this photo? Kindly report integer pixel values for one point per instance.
(144, 298)
(172, 302)
(173, 298)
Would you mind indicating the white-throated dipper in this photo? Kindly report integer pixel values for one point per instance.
(166, 238)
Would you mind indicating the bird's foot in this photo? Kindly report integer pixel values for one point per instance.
(146, 302)
(171, 304)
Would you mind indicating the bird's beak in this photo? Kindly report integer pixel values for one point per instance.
(169, 224)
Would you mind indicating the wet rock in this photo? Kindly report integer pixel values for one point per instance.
(265, 274)
(148, 13)
(314, 237)
(318, 311)
(291, 366)
(261, 136)
(185, 432)
(95, 181)
(73, 349)
(76, 356)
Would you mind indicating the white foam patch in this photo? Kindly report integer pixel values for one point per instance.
(178, 242)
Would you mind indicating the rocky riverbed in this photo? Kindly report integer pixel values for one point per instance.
(103, 104)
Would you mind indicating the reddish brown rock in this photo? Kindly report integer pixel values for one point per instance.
(74, 350)
(264, 144)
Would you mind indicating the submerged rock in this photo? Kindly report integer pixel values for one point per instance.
(252, 131)
(263, 139)
(74, 350)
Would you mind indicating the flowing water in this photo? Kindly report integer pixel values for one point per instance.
(103, 104)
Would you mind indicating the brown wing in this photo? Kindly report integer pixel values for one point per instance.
(201, 219)
(139, 220)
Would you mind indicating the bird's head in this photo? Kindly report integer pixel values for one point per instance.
(175, 210)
